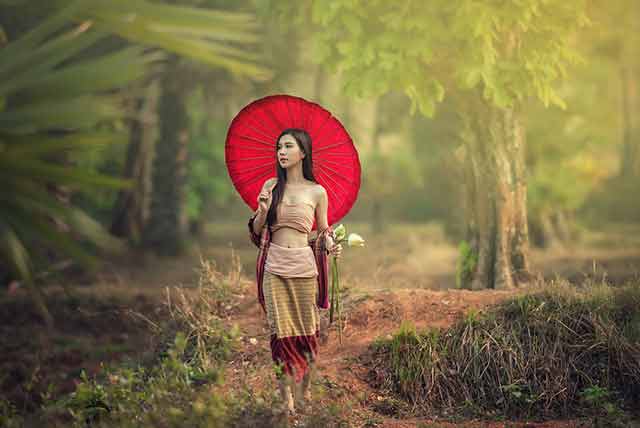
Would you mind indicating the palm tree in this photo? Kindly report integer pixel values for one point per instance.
(53, 99)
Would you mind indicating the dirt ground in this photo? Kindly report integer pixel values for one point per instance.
(341, 375)
(407, 275)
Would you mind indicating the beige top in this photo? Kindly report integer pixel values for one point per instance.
(292, 262)
(297, 216)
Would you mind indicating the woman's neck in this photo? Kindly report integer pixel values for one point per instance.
(295, 176)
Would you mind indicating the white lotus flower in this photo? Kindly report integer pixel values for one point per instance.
(339, 232)
(355, 240)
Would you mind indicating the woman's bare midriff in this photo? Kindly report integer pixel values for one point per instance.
(290, 237)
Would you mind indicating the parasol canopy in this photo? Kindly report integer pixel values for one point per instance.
(250, 150)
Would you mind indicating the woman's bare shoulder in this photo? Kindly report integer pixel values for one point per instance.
(318, 191)
(319, 188)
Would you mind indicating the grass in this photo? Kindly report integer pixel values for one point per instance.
(179, 381)
(541, 354)
(112, 323)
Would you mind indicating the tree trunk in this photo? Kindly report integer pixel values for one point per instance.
(165, 231)
(497, 219)
(131, 209)
(516, 143)
(629, 93)
(629, 97)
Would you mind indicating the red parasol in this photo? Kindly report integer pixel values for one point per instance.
(250, 150)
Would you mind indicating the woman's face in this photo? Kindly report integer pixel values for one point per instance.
(289, 152)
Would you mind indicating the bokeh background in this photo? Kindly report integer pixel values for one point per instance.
(499, 143)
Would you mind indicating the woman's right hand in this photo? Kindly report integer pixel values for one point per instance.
(265, 197)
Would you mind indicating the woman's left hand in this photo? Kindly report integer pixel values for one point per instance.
(336, 250)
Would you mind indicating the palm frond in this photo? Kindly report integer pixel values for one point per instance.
(46, 172)
(83, 112)
(102, 74)
(187, 31)
(53, 98)
(37, 60)
(37, 146)
(39, 34)
(13, 250)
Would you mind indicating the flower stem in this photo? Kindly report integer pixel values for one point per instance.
(333, 291)
(338, 302)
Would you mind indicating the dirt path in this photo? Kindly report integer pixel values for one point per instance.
(340, 376)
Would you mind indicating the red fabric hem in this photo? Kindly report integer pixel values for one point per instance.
(294, 353)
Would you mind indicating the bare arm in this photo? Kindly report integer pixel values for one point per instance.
(263, 207)
(321, 210)
(259, 221)
(322, 223)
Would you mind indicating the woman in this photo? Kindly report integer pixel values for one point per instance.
(291, 269)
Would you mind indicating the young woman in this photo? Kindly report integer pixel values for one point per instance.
(292, 270)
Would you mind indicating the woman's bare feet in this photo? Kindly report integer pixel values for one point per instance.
(286, 393)
(304, 396)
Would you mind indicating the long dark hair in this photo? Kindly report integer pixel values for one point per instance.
(304, 142)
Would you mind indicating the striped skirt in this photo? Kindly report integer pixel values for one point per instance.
(294, 321)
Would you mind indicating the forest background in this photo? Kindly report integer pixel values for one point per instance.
(499, 141)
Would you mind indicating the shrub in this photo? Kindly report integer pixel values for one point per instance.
(466, 265)
(531, 355)
(142, 396)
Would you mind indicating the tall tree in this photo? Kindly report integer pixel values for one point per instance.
(131, 208)
(166, 228)
(625, 23)
(216, 38)
(490, 56)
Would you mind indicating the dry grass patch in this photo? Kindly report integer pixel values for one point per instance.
(556, 351)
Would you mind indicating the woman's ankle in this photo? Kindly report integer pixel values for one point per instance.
(286, 393)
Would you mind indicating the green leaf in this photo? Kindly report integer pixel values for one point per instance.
(59, 97)
(46, 172)
(109, 72)
(31, 64)
(78, 113)
(35, 146)
(13, 251)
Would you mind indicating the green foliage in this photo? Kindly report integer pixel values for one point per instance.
(569, 153)
(8, 415)
(139, 396)
(388, 172)
(173, 386)
(209, 36)
(602, 403)
(595, 396)
(553, 352)
(201, 316)
(61, 102)
(466, 264)
(108, 160)
(512, 51)
(55, 101)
